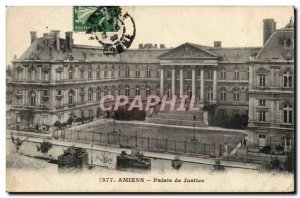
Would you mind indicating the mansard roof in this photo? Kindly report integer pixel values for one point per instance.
(277, 48)
(41, 49)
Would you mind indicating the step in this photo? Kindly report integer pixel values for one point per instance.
(176, 122)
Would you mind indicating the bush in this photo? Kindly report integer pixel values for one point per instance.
(78, 119)
(266, 149)
(44, 147)
(57, 124)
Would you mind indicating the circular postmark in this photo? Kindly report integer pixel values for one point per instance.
(111, 28)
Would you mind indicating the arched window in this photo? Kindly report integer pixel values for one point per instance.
(189, 92)
(148, 72)
(32, 97)
(98, 71)
(148, 91)
(168, 92)
(71, 73)
(90, 72)
(236, 94)
(71, 95)
(209, 94)
(223, 94)
(112, 72)
(127, 90)
(287, 79)
(98, 93)
(90, 94)
(287, 113)
(105, 72)
(137, 72)
(137, 90)
(127, 71)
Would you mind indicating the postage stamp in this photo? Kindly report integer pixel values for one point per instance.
(112, 29)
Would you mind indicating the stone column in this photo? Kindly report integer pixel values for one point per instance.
(161, 81)
(202, 84)
(173, 80)
(181, 81)
(215, 84)
(193, 81)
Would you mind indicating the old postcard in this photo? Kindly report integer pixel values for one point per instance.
(150, 99)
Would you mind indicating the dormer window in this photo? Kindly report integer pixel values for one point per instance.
(289, 43)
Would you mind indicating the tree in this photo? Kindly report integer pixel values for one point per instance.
(57, 124)
(27, 115)
(17, 142)
(44, 147)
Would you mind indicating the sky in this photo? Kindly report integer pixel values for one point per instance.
(172, 26)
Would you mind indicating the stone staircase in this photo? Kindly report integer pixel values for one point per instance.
(182, 118)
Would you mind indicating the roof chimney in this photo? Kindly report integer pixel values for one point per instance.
(33, 36)
(217, 44)
(141, 46)
(69, 40)
(268, 28)
(162, 46)
(56, 37)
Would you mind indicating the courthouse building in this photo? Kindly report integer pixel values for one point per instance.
(58, 79)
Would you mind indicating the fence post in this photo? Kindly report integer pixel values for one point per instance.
(93, 137)
(166, 144)
(71, 135)
(220, 150)
(136, 139)
(175, 145)
(120, 138)
(214, 150)
(194, 146)
(78, 136)
(100, 137)
(108, 138)
(184, 146)
(148, 143)
(84, 135)
(204, 150)
(157, 143)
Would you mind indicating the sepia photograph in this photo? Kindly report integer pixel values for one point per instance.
(150, 99)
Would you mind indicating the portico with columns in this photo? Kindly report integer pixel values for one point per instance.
(189, 70)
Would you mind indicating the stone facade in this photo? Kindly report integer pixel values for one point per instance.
(58, 79)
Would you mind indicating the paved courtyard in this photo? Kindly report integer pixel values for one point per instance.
(177, 139)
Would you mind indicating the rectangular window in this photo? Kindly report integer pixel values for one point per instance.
(223, 113)
(262, 116)
(157, 73)
(81, 74)
(90, 112)
(223, 74)
(236, 74)
(235, 112)
(262, 102)
(262, 80)
(209, 74)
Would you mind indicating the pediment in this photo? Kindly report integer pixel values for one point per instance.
(188, 50)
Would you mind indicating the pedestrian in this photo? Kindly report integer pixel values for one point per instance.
(194, 117)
